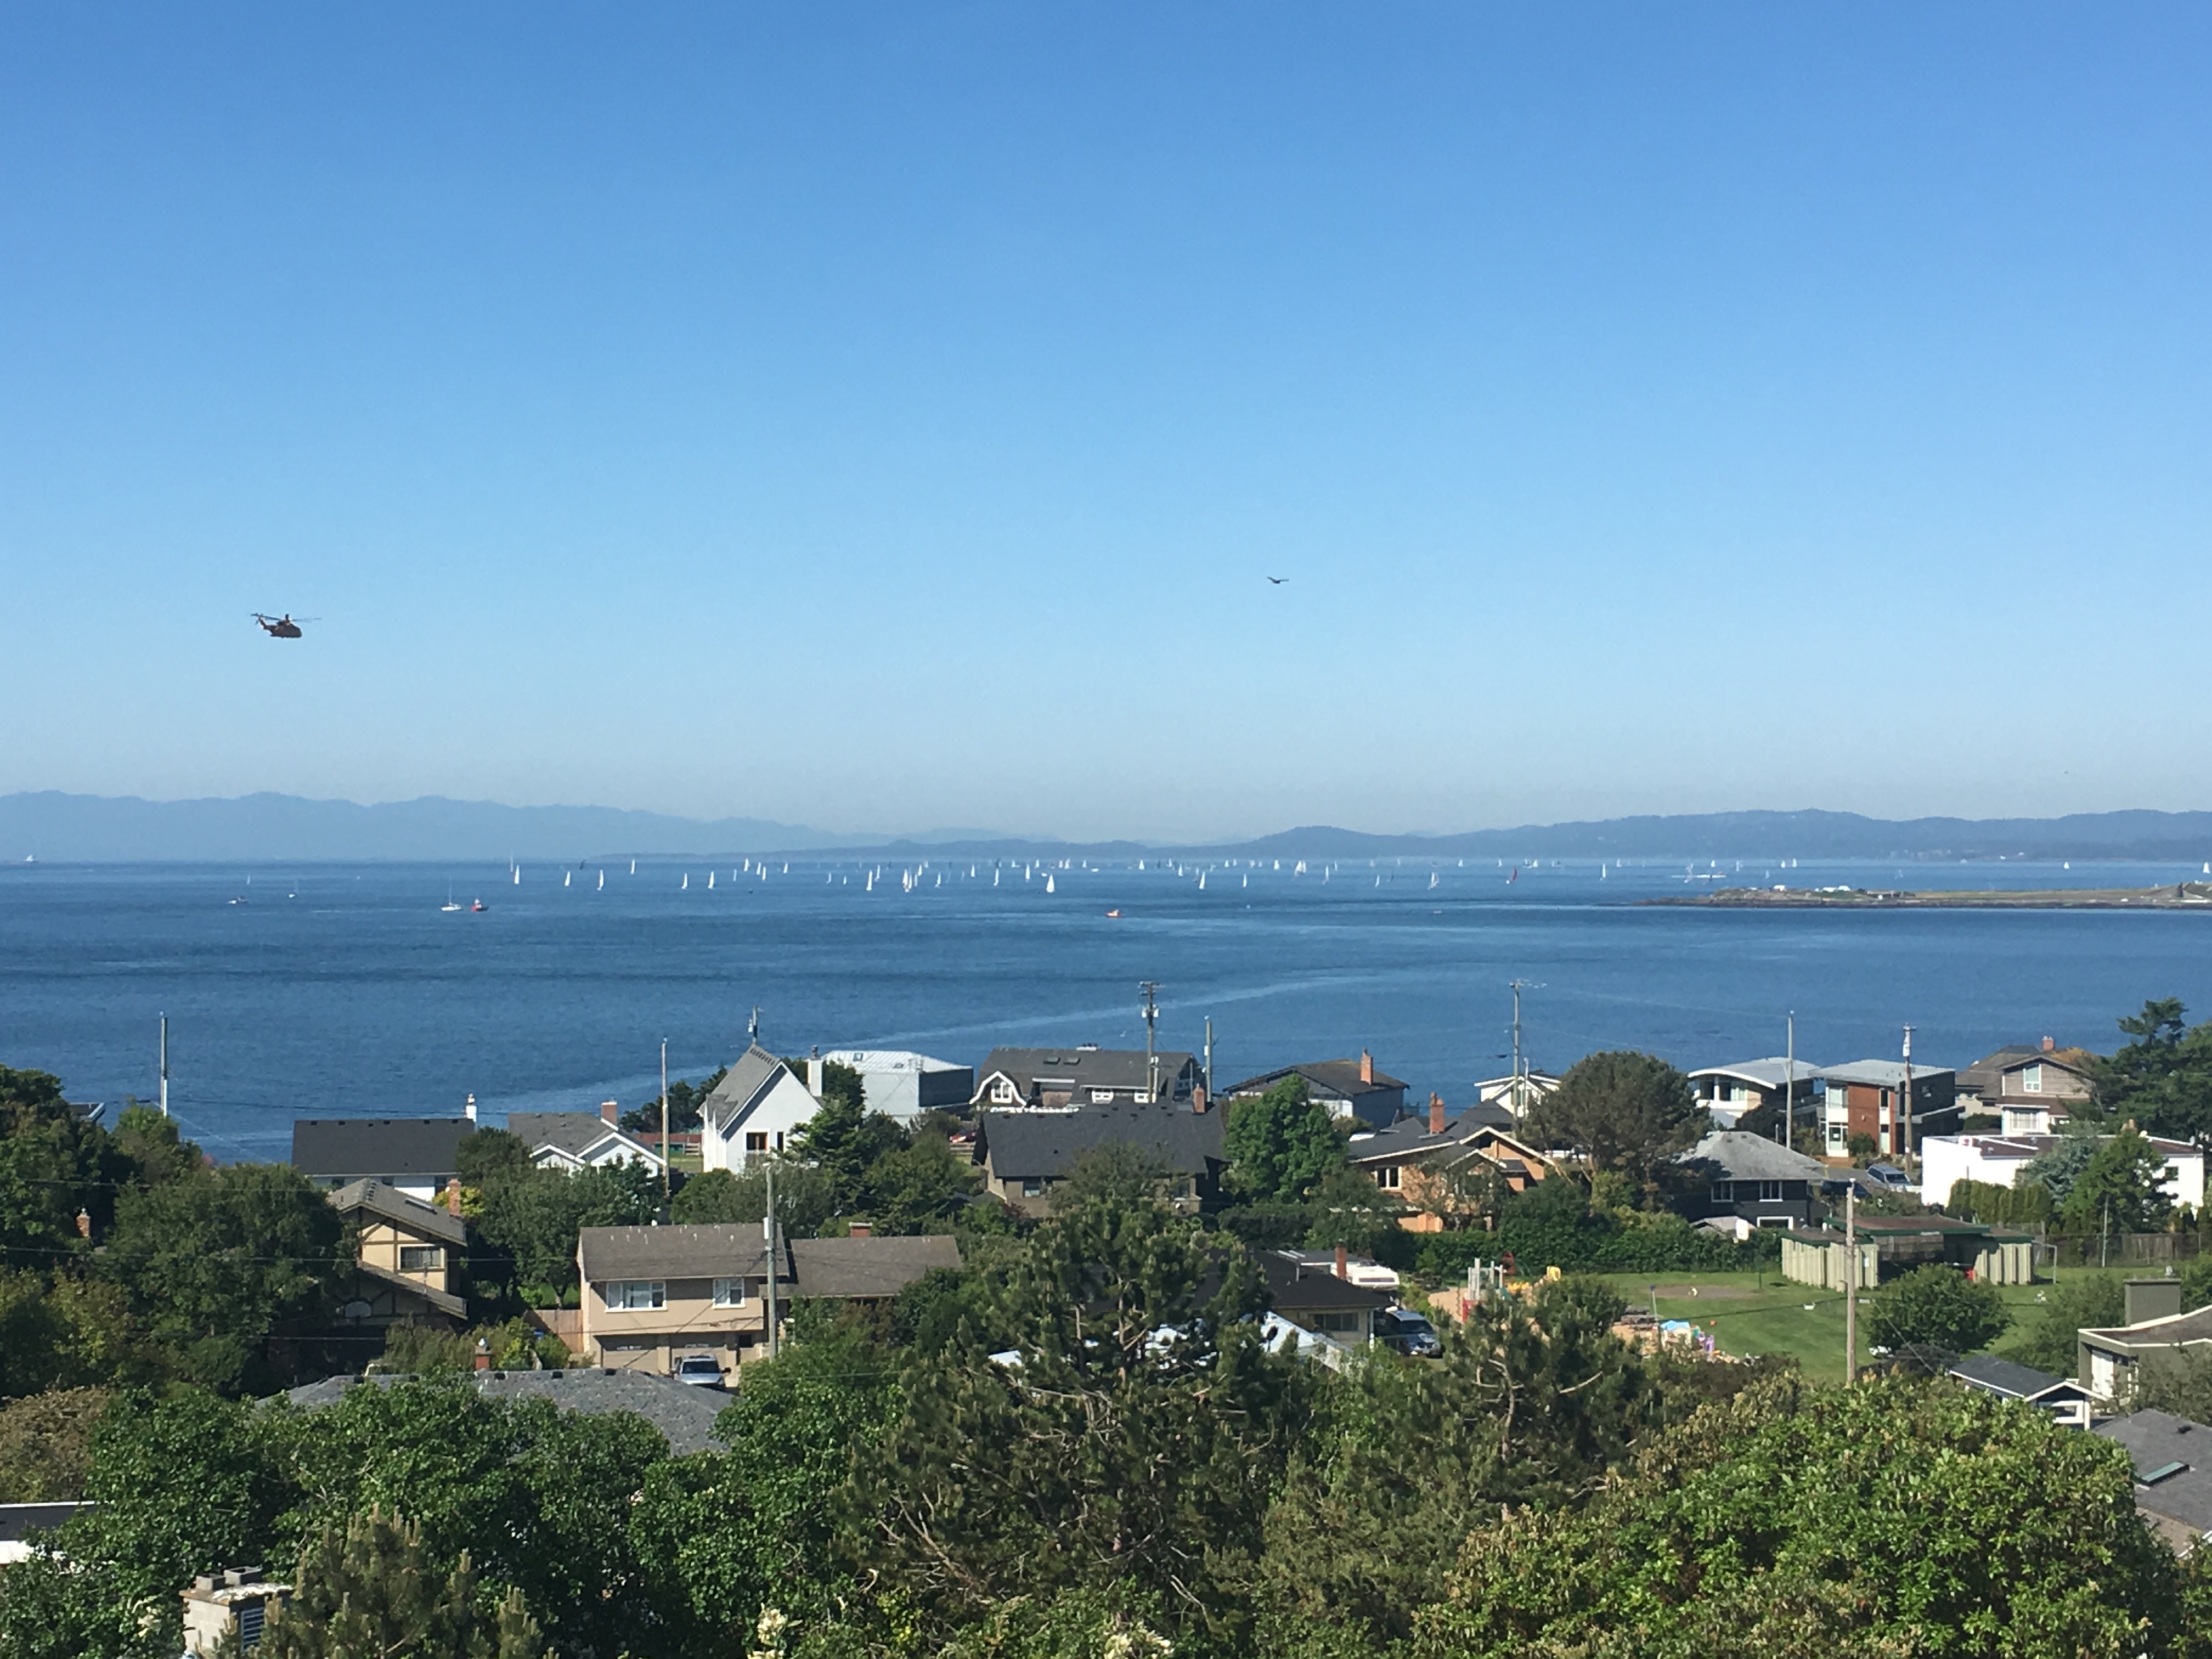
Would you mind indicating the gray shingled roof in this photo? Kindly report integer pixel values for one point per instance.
(812, 1266)
(684, 1415)
(431, 1220)
(1027, 1145)
(866, 1266)
(1339, 1077)
(749, 1073)
(352, 1146)
(2004, 1376)
(1736, 1155)
(1294, 1286)
(570, 1131)
(1084, 1068)
(2158, 1440)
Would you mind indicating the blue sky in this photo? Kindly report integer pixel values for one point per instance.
(887, 418)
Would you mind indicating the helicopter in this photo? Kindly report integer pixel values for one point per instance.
(283, 627)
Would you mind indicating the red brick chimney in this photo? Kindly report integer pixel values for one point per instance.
(84, 1223)
(1366, 1067)
(1198, 1096)
(860, 1229)
(453, 1194)
(1436, 1114)
(1343, 1262)
(2048, 1045)
(483, 1354)
(611, 1110)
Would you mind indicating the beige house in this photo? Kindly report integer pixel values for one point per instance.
(406, 1259)
(651, 1296)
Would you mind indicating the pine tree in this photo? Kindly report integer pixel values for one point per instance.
(372, 1592)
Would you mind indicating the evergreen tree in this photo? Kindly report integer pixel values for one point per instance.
(372, 1590)
(2121, 1188)
(1623, 1111)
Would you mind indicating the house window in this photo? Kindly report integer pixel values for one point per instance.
(1182, 1190)
(1141, 1098)
(1033, 1187)
(420, 1258)
(1102, 1096)
(1835, 1137)
(637, 1294)
(729, 1292)
(2030, 1078)
(756, 1143)
(1770, 1192)
(1387, 1177)
(1002, 1091)
(1337, 1324)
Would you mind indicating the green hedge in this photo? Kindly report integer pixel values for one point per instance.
(1599, 1243)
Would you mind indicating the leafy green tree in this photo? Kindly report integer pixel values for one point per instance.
(486, 1159)
(1533, 1402)
(805, 1197)
(1132, 1438)
(1280, 1144)
(1349, 1209)
(61, 1332)
(1624, 1111)
(843, 1137)
(151, 1150)
(1889, 1518)
(2077, 1302)
(919, 1187)
(686, 1106)
(2162, 1078)
(2059, 1166)
(370, 1589)
(46, 1445)
(536, 1219)
(2121, 1188)
(218, 1262)
(2025, 1205)
(1937, 1307)
(50, 1167)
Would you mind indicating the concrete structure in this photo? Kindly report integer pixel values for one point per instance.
(2061, 1399)
(2029, 1089)
(1348, 1088)
(227, 1606)
(756, 1110)
(2173, 1473)
(2003, 1161)
(1729, 1092)
(414, 1154)
(1025, 1155)
(651, 1295)
(1068, 1079)
(404, 1261)
(582, 1140)
(1750, 1182)
(1864, 1098)
(2111, 1360)
(903, 1084)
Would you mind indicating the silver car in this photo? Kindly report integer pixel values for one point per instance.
(701, 1371)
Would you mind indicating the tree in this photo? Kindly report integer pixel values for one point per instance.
(484, 1158)
(2060, 1165)
(844, 1138)
(1937, 1307)
(370, 1589)
(686, 1106)
(2076, 1303)
(218, 1262)
(46, 1445)
(1769, 1525)
(1132, 1438)
(1459, 1191)
(1280, 1144)
(805, 1197)
(1349, 1209)
(1622, 1110)
(50, 1168)
(536, 1219)
(2121, 1188)
(918, 1188)
(2163, 1078)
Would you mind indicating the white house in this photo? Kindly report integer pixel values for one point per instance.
(755, 1111)
(581, 1140)
(1730, 1091)
(2001, 1160)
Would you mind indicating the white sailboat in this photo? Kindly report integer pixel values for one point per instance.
(1048, 882)
(602, 887)
(518, 875)
(994, 875)
(1435, 881)
(450, 903)
(565, 875)
(1201, 881)
(1247, 882)
(685, 886)
(871, 886)
(710, 881)
(632, 866)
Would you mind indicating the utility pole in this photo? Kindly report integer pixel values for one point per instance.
(1790, 1085)
(1851, 1282)
(1152, 1055)
(1520, 1081)
(768, 1232)
(1903, 1123)
(664, 1119)
(164, 1066)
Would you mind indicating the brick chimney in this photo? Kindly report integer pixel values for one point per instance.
(1198, 1096)
(84, 1223)
(1366, 1067)
(1343, 1262)
(611, 1110)
(860, 1229)
(483, 1354)
(453, 1194)
(2048, 1045)
(1436, 1114)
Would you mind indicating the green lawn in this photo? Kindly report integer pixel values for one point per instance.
(1752, 1312)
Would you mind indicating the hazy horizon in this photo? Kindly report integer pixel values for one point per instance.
(890, 418)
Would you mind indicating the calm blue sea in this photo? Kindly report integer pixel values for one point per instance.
(346, 991)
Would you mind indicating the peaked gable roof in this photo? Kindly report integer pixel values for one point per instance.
(402, 1210)
(575, 1134)
(752, 1075)
(1084, 1067)
(1738, 1155)
(1340, 1077)
(352, 1146)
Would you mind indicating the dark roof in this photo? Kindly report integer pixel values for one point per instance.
(19, 1521)
(570, 1131)
(1082, 1067)
(1340, 1077)
(1296, 1287)
(354, 1146)
(2179, 1453)
(431, 1220)
(1408, 1140)
(748, 1075)
(683, 1414)
(1738, 1155)
(1020, 1145)
(2005, 1376)
(812, 1266)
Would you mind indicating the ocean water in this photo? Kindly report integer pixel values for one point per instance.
(344, 990)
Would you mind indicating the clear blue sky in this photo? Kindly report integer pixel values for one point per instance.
(887, 418)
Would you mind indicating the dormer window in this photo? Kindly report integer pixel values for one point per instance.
(2030, 1078)
(1002, 1091)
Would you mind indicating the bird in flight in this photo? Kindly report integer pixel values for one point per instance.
(1278, 581)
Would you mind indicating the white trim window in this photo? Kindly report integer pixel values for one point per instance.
(1002, 1091)
(420, 1258)
(637, 1294)
(1102, 1097)
(1387, 1177)
(2030, 1078)
(729, 1292)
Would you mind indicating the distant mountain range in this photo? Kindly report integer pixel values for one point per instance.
(94, 828)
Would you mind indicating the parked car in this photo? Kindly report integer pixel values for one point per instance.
(701, 1371)
(1407, 1333)
(1888, 1177)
